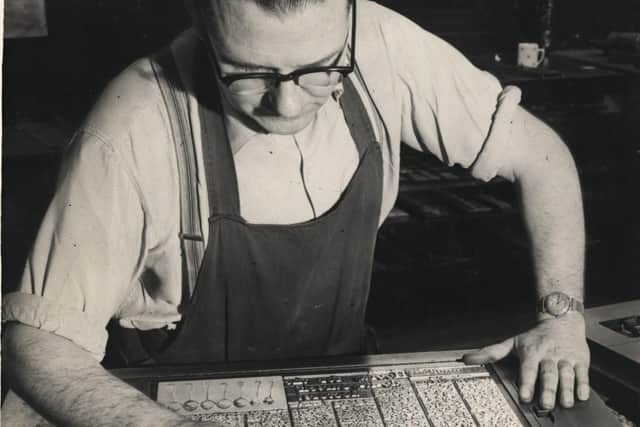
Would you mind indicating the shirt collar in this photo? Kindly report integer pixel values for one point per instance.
(239, 133)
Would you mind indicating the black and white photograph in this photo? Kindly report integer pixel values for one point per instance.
(301, 213)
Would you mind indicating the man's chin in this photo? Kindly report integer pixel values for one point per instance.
(284, 126)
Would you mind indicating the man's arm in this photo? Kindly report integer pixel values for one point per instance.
(555, 351)
(448, 107)
(69, 387)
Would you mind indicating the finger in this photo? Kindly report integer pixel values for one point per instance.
(548, 383)
(566, 383)
(489, 354)
(582, 381)
(528, 374)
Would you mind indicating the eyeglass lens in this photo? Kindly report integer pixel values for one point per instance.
(319, 83)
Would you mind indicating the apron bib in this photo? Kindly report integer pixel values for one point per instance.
(275, 291)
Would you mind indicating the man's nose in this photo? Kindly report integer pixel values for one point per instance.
(287, 99)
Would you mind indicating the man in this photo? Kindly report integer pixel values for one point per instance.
(295, 168)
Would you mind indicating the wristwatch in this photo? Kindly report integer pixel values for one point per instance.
(558, 304)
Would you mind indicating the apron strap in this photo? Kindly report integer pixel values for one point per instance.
(357, 118)
(222, 185)
(191, 236)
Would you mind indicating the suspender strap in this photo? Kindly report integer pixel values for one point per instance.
(191, 238)
(218, 161)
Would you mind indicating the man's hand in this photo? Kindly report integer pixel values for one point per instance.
(555, 352)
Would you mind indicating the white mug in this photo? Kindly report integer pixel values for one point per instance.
(530, 55)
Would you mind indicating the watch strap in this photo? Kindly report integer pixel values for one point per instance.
(576, 305)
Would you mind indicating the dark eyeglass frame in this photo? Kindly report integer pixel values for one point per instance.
(345, 70)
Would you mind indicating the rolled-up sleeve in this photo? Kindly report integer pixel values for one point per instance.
(448, 105)
(89, 249)
(494, 157)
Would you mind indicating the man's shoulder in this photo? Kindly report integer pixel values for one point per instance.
(128, 101)
(388, 29)
(375, 16)
(133, 97)
(130, 121)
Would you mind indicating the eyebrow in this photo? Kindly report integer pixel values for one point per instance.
(253, 66)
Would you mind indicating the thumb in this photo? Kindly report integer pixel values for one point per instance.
(489, 354)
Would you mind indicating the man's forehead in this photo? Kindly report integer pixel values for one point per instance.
(282, 10)
(242, 30)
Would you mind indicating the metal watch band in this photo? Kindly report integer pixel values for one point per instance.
(574, 305)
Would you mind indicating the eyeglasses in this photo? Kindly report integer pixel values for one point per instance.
(319, 81)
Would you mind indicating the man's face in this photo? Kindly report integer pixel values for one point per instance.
(247, 39)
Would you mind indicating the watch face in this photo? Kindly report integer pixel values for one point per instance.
(557, 303)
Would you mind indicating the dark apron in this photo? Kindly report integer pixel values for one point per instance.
(275, 291)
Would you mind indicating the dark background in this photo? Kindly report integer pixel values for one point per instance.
(456, 281)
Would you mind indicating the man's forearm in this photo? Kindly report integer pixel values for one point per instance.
(554, 356)
(69, 387)
(553, 214)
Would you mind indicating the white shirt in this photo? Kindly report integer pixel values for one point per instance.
(276, 172)
(108, 246)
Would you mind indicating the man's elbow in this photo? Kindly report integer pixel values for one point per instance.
(17, 339)
(538, 152)
(17, 344)
(26, 348)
